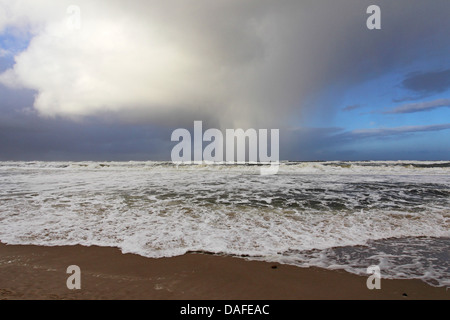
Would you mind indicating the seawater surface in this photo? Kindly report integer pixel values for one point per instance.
(335, 215)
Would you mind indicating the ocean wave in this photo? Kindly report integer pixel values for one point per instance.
(157, 209)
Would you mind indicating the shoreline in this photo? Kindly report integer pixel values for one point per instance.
(39, 273)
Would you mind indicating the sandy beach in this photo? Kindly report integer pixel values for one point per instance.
(36, 272)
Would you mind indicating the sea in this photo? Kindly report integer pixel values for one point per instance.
(332, 215)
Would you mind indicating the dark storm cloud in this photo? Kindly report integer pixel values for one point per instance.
(46, 140)
(24, 135)
(428, 82)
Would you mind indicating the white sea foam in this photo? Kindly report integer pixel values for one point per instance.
(156, 209)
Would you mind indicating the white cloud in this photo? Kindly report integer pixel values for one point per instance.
(110, 63)
(141, 58)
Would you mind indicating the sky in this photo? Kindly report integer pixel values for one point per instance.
(110, 80)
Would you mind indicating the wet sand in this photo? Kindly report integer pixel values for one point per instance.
(35, 272)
